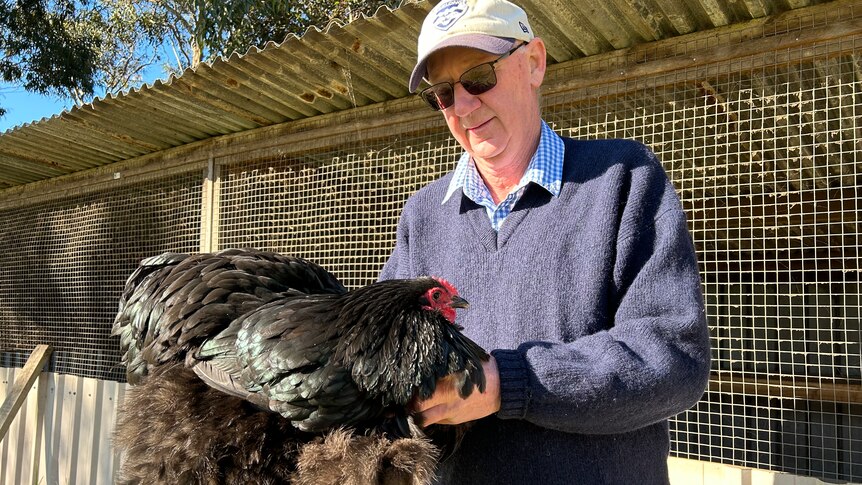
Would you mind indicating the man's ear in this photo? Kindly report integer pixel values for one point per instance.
(538, 61)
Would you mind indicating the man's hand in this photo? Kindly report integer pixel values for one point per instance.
(445, 406)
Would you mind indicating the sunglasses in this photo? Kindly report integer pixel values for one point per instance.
(476, 80)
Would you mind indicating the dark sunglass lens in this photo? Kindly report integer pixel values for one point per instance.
(479, 80)
(439, 96)
(430, 98)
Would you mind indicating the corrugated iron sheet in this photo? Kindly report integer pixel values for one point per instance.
(343, 66)
(62, 434)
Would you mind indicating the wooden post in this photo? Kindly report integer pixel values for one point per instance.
(211, 193)
(22, 385)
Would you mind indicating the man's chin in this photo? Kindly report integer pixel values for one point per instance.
(486, 149)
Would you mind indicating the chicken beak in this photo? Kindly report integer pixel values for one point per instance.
(458, 302)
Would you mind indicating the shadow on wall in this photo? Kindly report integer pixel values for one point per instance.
(821, 438)
(65, 262)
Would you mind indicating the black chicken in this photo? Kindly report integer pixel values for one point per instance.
(232, 336)
(175, 302)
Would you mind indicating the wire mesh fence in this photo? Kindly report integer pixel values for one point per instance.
(762, 148)
(63, 264)
(338, 208)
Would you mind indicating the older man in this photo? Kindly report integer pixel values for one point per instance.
(577, 262)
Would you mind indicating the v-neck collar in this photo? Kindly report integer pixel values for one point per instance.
(493, 240)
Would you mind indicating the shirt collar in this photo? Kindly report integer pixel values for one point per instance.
(545, 170)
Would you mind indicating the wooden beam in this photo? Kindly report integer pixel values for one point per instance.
(787, 388)
(30, 372)
(754, 40)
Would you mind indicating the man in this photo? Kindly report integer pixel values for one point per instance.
(577, 263)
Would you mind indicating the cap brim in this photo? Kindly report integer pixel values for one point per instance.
(483, 42)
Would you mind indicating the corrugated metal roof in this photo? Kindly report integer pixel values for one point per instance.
(343, 66)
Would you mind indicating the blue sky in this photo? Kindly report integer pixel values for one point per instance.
(23, 107)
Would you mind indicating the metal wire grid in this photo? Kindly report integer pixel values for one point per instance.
(765, 161)
(781, 270)
(63, 264)
(338, 208)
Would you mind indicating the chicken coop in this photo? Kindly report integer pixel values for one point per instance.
(311, 147)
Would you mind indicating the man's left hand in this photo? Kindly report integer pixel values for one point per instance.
(446, 406)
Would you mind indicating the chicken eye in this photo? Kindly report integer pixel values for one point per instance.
(435, 295)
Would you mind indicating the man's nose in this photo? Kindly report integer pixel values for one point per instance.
(465, 103)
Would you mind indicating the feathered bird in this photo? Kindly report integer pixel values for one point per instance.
(172, 303)
(276, 346)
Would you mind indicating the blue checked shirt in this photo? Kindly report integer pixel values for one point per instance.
(545, 169)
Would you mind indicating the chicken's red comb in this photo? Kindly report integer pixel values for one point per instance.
(445, 284)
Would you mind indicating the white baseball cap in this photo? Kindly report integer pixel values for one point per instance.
(493, 26)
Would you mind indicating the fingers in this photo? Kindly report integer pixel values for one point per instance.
(445, 392)
(437, 408)
(446, 406)
(435, 415)
(419, 406)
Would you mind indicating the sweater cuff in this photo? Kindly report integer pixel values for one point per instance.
(514, 384)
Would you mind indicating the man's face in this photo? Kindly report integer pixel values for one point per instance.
(500, 126)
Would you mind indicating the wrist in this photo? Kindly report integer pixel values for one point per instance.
(492, 385)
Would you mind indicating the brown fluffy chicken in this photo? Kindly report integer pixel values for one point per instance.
(254, 357)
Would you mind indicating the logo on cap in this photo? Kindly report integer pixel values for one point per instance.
(448, 13)
(524, 27)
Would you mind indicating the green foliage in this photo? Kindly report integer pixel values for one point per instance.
(203, 31)
(129, 34)
(73, 48)
(41, 51)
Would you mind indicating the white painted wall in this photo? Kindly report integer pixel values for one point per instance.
(693, 472)
(67, 441)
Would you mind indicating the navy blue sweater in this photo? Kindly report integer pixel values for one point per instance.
(591, 304)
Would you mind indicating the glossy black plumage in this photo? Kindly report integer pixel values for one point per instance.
(174, 302)
(331, 360)
(284, 335)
